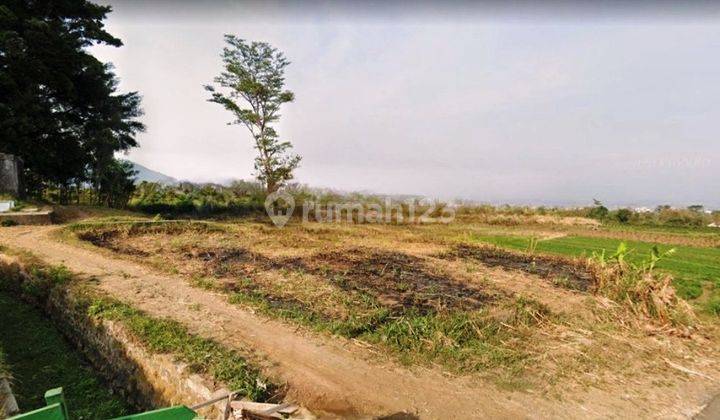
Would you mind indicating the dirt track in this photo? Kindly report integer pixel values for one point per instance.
(330, 375)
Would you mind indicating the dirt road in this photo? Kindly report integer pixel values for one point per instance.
(327, 374)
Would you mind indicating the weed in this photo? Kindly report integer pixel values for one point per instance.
(158, 335)
(203, 282)
(713, 306)
(640, 287)
(532, 245)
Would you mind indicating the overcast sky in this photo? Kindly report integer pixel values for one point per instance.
(553, 105)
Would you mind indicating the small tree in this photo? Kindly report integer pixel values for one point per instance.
(116, 183)
(599, 211)
(254, 78)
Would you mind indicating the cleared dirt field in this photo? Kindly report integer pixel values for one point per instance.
(369, 320)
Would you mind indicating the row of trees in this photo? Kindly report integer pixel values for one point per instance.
(693, 215)
(60, 110)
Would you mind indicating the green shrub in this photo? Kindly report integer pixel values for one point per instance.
(623, 215)
(641, 288)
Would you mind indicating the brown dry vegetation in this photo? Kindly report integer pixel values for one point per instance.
(525, 321)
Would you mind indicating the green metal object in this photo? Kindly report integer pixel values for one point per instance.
(56, 409)
(179, 412)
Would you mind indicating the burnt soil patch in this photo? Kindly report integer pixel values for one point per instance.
(573, 274)
(221, 262)
(110, 240)
(397, 280)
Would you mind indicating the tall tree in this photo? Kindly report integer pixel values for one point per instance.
(254, 81)
(59, 109)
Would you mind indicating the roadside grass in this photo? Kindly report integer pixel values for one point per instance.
(202, 355)
(40, 359)
(72, 213)
(696, 271)
(37, 281)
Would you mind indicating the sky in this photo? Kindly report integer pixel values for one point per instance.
(498, 102)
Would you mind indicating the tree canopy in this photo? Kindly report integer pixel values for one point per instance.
(59, 106)
(254, 84)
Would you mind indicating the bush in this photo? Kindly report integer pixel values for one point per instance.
(198, 200)
(623, 215)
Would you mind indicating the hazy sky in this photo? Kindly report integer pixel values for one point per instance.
(555, 105)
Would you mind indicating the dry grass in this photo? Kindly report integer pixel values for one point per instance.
(418, 292)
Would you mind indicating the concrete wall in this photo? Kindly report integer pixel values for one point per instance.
(11, 168)
(8, 404)
(22, 218)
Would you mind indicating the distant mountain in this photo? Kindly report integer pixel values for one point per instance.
(146, 174)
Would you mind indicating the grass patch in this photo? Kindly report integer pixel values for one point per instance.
(41, 359)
